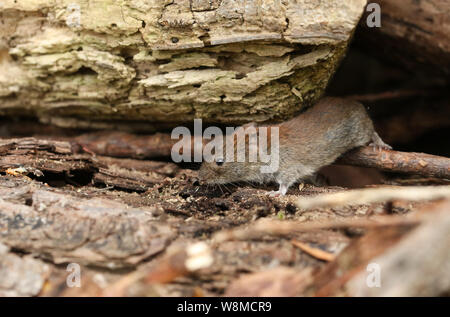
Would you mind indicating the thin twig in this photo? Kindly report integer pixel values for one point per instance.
(317, 253)
(374, 195)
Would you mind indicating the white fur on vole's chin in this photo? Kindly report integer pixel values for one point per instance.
(212, 182)
(210, 179)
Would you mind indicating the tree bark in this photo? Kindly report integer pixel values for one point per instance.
(96, 64)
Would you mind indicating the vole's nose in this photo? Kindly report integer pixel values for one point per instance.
(196, 182)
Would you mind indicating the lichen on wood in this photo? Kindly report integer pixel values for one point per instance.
(92, 63)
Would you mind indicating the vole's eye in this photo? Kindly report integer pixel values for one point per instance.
(219, 162)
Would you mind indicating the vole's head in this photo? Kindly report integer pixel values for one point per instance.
(222, 172)
(230, 165)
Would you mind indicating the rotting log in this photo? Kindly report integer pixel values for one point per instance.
(65, 227)
(99, 64)
(44, 159)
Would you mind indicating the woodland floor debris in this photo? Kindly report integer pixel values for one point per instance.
(124, 219)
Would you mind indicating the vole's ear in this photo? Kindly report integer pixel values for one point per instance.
(243, 128)
(248, 125)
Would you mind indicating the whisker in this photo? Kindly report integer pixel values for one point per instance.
(228, 190)
(249, 183)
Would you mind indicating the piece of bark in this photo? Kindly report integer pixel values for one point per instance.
(47, 159)
(180, 260)
(314, 252)
(126, 145)
(107, 64)
(21, 275)
(38, 154)
(131, 175)
(416, 34)
(67, 228)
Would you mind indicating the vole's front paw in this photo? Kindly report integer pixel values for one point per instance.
(274, 193)
(378, 144)
(378, 147)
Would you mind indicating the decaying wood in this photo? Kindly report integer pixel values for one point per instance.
(416, 34)
(412, 260)
(127, 145)
(332, 278)
(266, 227)
(37, 158)
(160, 145)
(21, 276)
(68, 228)
(120, 213)
(72, 65)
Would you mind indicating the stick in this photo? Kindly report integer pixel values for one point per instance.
(395, 161)
(315, 252)
(374, 195)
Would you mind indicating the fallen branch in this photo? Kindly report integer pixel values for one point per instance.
(395, 161)
(374, 195)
